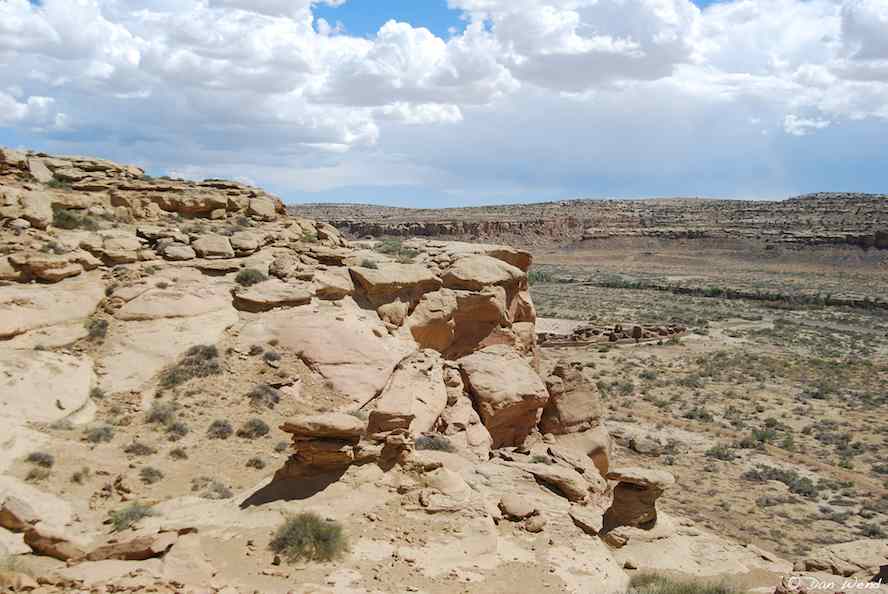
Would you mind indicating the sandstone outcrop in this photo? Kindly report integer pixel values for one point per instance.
(507, 391)
(322, 443)
(635, 497)
(574, 404)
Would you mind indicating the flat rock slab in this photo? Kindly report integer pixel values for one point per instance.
(175, 302)
(272, 294)
(140, 349)
(26, 307)
(346, 345)
(326, 426)
(42, 386)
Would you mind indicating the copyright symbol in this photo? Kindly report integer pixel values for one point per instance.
(794, 581)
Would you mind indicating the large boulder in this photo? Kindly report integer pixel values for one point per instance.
(213, 246)
(323, 443)
(272, 294)
(473, 273)
(343, 343)
(574, 404)
(413, 398)
(333, 284)
(390, 282)
(635, 497)
(508, 393)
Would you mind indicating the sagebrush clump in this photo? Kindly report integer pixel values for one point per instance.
(127, 517)
(308, 537)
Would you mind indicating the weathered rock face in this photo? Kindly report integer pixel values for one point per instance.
(860, 559)
(574, 404)
(635, 497)
(126, 186)
(413, 398)
(322, 443)
(507, 391)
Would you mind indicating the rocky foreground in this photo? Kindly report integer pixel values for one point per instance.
(139, 317)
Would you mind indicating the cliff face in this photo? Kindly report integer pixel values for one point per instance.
(815, 219)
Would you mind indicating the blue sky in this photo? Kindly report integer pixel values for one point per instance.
(365, 17)
(418, 104)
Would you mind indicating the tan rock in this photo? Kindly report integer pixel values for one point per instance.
(390, 281)
(564, 480)
(326, 426)
(413, 398)
(178, 251)
(333, 284)
(11, 581)
(244, 243)
(272, 294)
(213, 246)
(175, 302)
(42, 386)
(515, 507)
(53, 542)
(262, 209)
(36, 209)
(635, 496)
(574, 404)
(28, 307)
(861, 559)
(473, 273)
(507, 391)
(39, 170)
(135, 549)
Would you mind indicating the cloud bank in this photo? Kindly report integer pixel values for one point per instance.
(532, 99)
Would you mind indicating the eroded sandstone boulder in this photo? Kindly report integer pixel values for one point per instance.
(574, 404)
(508, 393)
(635, 497)
(323, 443)
(413, 398)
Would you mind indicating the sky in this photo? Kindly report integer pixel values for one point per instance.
(431, 103)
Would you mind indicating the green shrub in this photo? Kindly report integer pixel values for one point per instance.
(178, 454)
(539, 276)
(308, 537)
(102, 433)
(249, 277)
(649, 583)
(41, 459)
(138, 448)
(81, 475)
(65, 218)
(264, 396)
(150, 475)
(271, 356)
(37, 474)
(797, 484)
(212, 489)
(199, 361)
(97, 393)
(281, 446)
(219, 429)
(721, 452)
(177, 430)
(438, 443)
(161, 412)
(256, 463)
(253, 428)
(97, 329)
(128, 516)
(367, 263)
